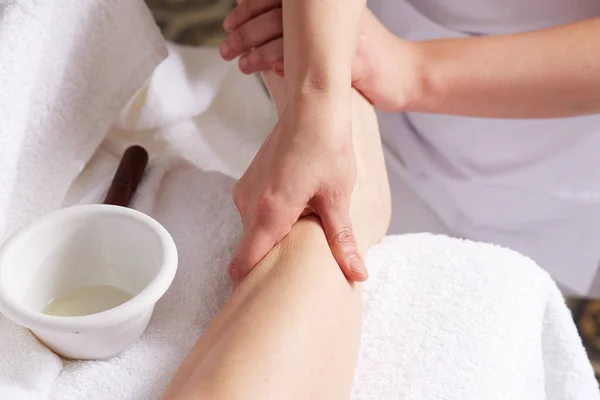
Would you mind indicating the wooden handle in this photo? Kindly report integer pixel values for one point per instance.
(128, 176)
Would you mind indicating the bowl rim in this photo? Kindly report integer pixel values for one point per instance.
(140, 303)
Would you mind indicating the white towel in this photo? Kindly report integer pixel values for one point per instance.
(444, 319)
(453, 319)
(66, 70)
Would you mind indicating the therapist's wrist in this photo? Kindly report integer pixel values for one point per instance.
(321, 99)
(409, 79)
(388, 70)
(427, 86)
(324, 79)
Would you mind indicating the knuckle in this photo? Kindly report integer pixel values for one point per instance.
(247, 36)
(271, 52)
(276, 18)
(234, 15)
(335, 198)
(266, 208)
(267, 201)
(256, 58)
(337, 194)
(237, 39)
(273, 218)
(263, 4)
(344, 237)
(246, 9)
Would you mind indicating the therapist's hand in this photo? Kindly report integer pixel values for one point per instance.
(306, 165)
(256, 34)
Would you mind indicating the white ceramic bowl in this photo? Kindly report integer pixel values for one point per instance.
(85, 246)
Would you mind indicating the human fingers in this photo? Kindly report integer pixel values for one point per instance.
(262, 58)
(278, 68)
(256, 32)
(247, 10)
(267, 225)
(340, 235)
(251, 249)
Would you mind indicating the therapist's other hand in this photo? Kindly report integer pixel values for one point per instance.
(306, 165)
(256, 35)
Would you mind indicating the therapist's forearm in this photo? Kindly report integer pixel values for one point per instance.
(320, 40)
(542, 74)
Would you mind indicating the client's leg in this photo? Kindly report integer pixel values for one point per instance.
(291, 329)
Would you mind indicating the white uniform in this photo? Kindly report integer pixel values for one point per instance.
(531, 185)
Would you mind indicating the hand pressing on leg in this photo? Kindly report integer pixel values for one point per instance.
(307, 163)
(292, 328)
(305, 166)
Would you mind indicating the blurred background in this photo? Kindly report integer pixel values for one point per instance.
(198, 23)
(191, 22)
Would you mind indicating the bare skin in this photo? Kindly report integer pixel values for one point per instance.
(307, 164)
(273, 338)
(256, 31)
(549, 73)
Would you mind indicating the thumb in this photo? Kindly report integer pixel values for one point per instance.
(338, 229)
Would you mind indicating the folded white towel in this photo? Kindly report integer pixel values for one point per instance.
(444, 318)
(453, 319)
(67, 69)
(65, 74)
(200, 108)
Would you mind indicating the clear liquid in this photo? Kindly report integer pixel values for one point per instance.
(87, 300)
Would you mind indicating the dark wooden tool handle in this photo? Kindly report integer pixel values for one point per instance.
(128, 176)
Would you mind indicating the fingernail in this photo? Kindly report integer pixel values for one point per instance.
(224, 49)
(278, 68)
(357, 265)
(244, 63)
(278, 65)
